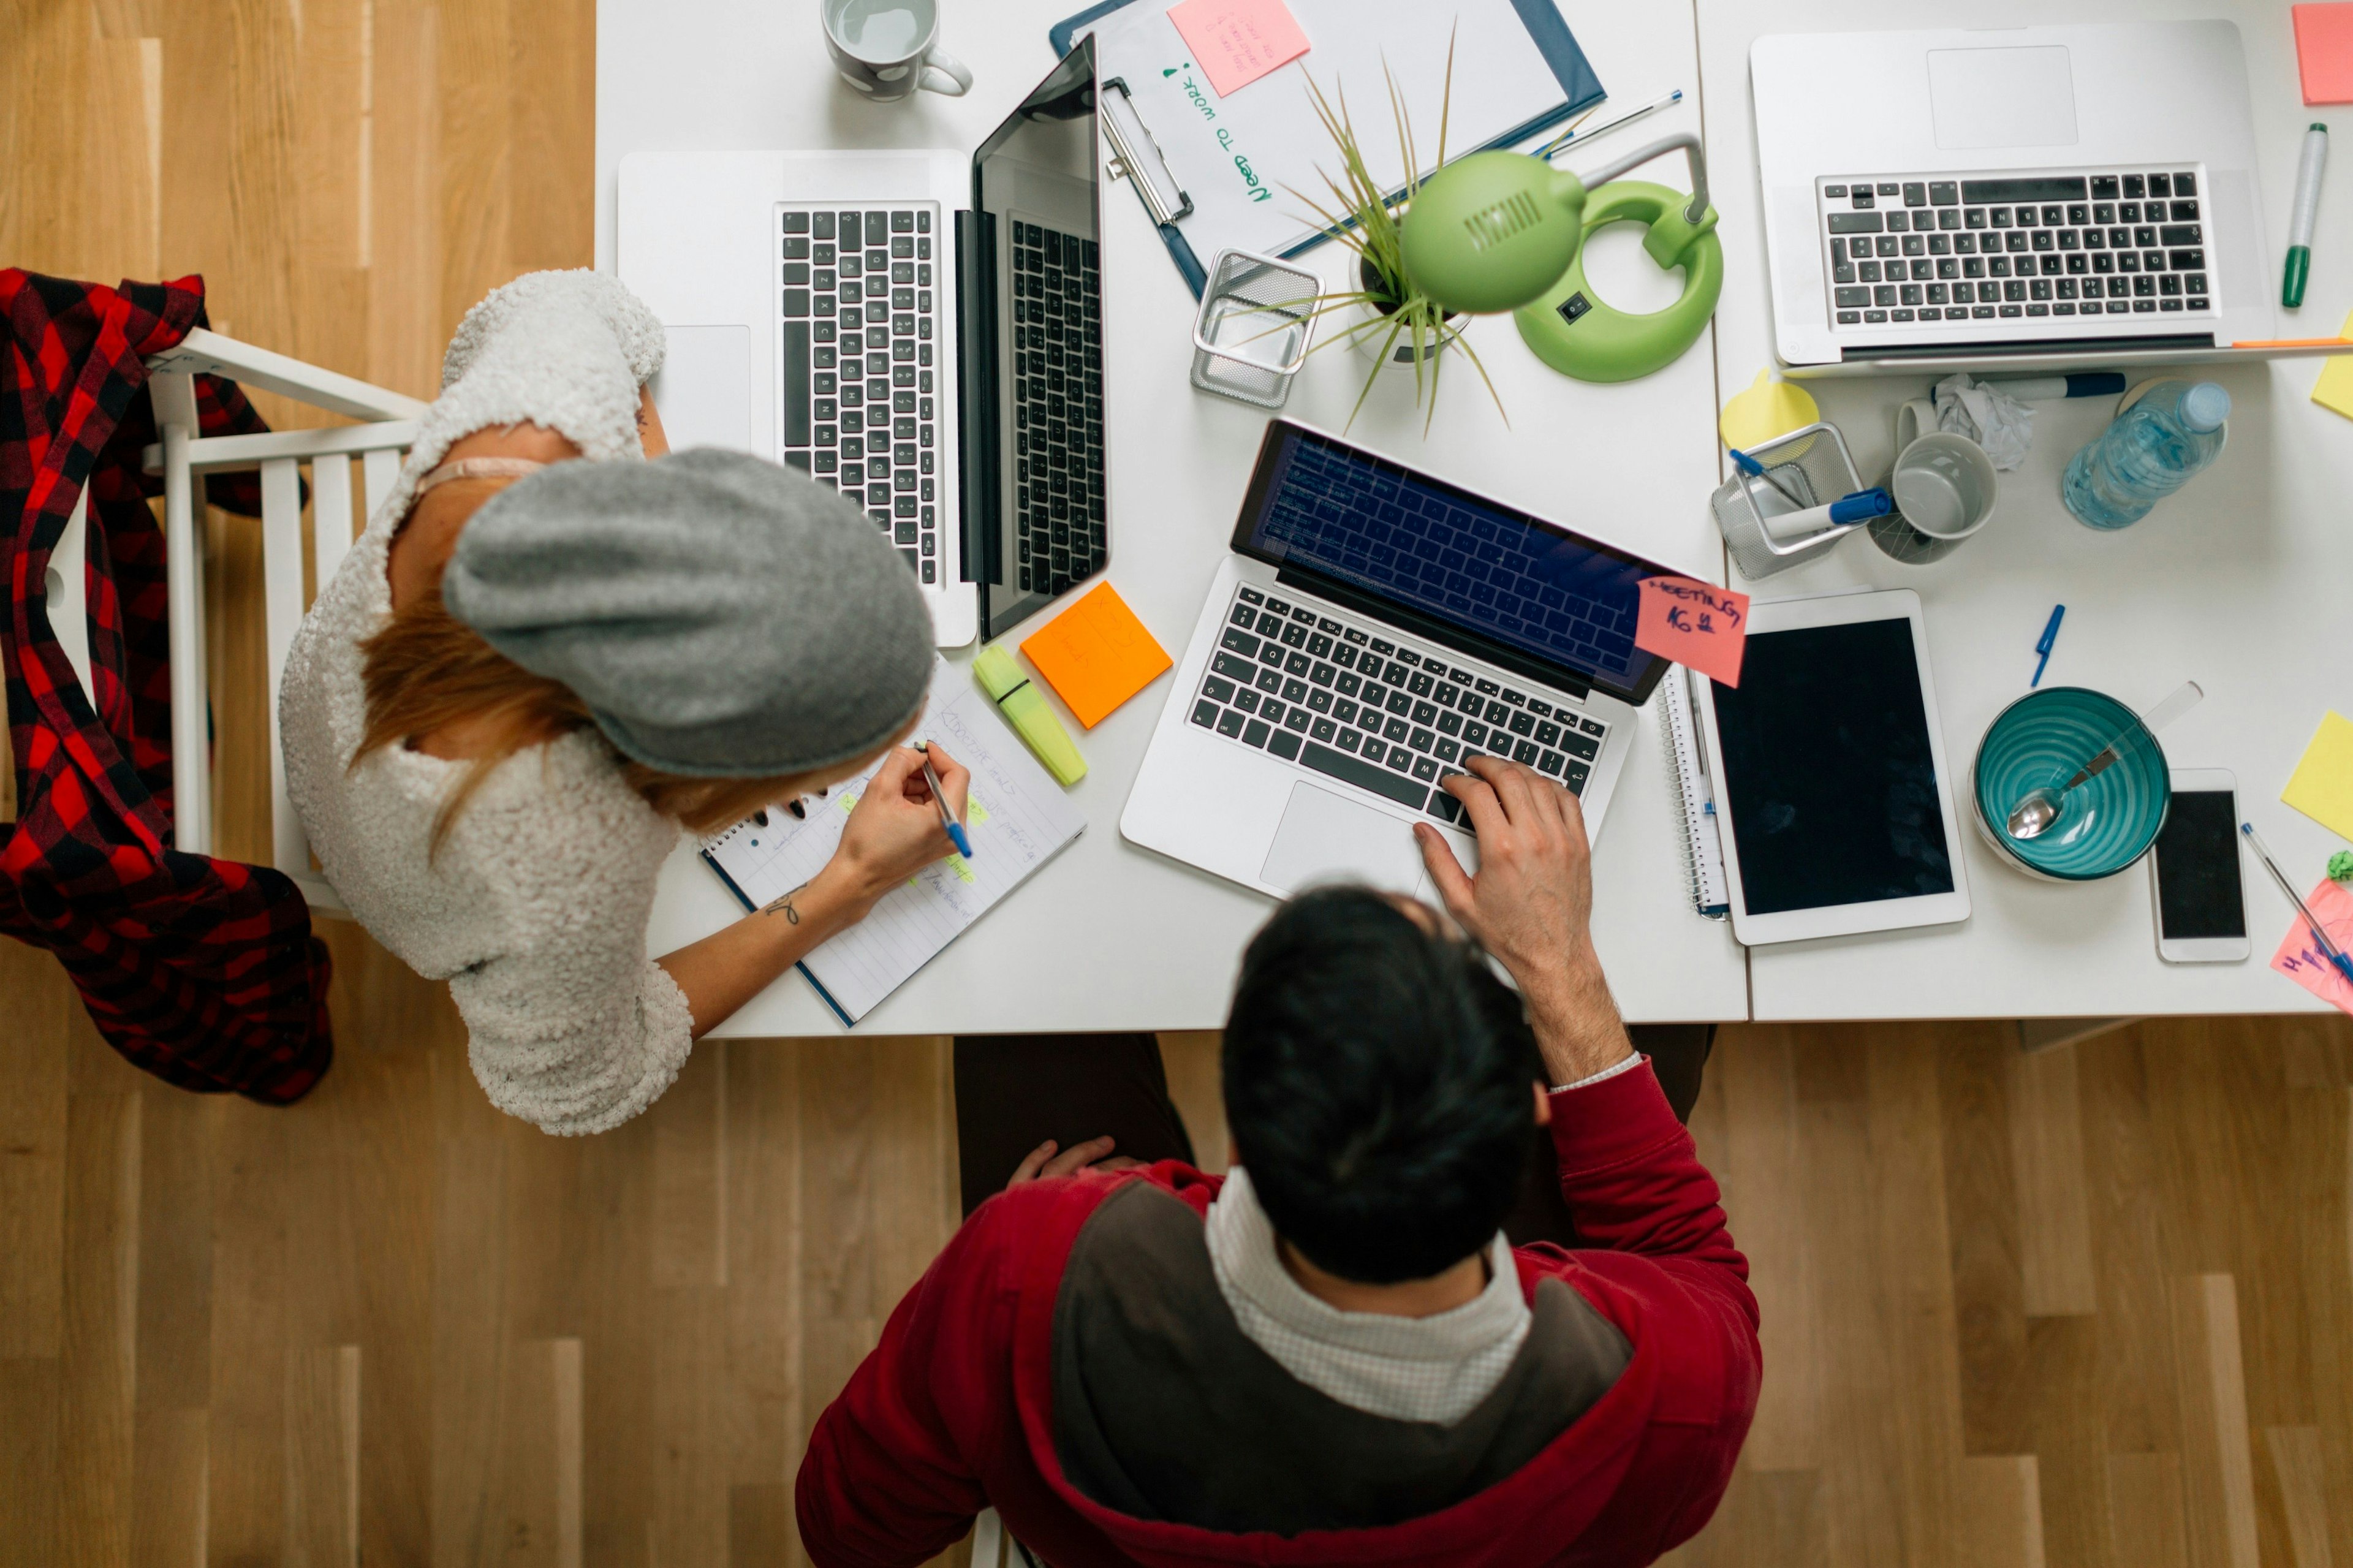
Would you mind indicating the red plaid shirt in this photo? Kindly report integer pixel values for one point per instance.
(202, 972)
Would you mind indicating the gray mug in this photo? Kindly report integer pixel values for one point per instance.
(886, 48)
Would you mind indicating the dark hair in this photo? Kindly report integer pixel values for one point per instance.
(1377, 1087)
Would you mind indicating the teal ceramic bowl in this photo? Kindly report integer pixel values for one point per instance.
(2105, 823)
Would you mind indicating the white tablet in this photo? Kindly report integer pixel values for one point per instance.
(1831, 777)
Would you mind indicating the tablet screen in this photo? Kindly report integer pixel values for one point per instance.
(1829, 775)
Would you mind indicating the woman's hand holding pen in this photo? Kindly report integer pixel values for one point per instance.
(895, 831)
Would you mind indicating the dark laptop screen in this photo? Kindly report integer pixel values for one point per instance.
(1532, 595)
(1030, 291)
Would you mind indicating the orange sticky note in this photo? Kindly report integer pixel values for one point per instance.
(1695, 624)
(1096, 654)
(1238, 41)
(2324, 52)
(2300, 958)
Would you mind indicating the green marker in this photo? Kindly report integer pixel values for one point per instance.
(2300, 216)
(1027, 711)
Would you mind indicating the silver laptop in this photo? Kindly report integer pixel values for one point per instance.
(2077, 194)
(1372, 630)
(920, 330)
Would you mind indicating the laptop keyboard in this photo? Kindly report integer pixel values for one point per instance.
(1057, 336)
(2105, 242)
(1346, 701)
(860, 320)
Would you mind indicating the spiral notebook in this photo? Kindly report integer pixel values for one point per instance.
(1018, 819)
(1695, 801)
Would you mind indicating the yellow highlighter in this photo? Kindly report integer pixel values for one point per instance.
(1029, 714)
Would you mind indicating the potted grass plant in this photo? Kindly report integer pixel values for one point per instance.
(1388, 316)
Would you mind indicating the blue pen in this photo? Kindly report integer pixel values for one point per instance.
(2328, 950)
(2050, 635)
(956, 834)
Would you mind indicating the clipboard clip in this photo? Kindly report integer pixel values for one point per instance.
(1149, 171)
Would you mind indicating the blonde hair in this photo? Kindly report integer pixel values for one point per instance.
(427, 670)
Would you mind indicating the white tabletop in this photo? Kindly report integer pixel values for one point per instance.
(2234, 582)
(2239, 582)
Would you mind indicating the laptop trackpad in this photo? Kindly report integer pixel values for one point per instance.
(1326, 838)
(2002, 98)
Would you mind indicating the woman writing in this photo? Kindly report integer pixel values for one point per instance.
(540, 661)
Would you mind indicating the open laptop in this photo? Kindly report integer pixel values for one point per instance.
(1373, 629)
(920, 330)
(2076, 195)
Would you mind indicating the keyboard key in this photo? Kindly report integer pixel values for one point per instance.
(1857, 223)
(1205, 713)
(1351, 770)
(1230, 724)
(1257, 732)
(1445, 807)
(1284, 745)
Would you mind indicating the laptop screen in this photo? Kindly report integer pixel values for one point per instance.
(1030, 291)
(1475, 573)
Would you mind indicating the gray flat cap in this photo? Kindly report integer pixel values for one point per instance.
(721, 615)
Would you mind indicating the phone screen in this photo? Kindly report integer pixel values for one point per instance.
(2197, 868)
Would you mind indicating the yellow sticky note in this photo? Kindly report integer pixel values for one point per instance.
(2322, 787)
(1096, 655)
(2334, 390)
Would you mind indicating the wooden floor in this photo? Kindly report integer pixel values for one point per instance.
(2094, 1307)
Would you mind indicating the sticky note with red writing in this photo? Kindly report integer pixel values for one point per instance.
(2299, 956)
(1695, 624)
(1238, 41)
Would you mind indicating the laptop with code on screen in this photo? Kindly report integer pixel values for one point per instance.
(1373, 629)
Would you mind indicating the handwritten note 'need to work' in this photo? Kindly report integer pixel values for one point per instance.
(2300, 958)
(1238, 41)
(1695, 624)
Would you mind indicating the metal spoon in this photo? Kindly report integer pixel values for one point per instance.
(2031, 817)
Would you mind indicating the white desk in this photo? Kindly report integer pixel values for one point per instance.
(1110, 936)
(2234, 580)
(2238, 582)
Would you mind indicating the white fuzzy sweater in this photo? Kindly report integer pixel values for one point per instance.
(535, 908)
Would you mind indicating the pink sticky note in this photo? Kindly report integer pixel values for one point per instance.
(2324, 52)
(1238, 41)
(1695, 624)
(2300, 958)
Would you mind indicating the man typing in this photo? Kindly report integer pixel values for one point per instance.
(1337, 1344)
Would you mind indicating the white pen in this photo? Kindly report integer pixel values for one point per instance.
(2300, 216)
(1574, 135)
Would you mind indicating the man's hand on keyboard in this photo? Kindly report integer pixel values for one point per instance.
(1531, 906)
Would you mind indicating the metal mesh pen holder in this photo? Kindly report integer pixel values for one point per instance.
(1257, 318)
(1812, 462)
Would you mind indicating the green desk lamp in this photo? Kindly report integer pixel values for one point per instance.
(1505, 231)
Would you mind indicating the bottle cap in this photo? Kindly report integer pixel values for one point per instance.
(2205, 406)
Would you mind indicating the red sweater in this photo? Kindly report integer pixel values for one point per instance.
(952, 1413)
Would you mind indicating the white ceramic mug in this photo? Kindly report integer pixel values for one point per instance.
(1943, 485)
(887, 48)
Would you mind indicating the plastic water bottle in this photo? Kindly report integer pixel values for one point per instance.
(2174, 429)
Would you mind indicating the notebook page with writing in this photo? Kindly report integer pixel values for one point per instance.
(1019, 818)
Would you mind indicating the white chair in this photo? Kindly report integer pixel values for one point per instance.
(181, 457)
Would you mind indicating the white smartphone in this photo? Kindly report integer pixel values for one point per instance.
(2201, 909)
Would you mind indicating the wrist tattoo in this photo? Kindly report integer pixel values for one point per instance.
(783, 906)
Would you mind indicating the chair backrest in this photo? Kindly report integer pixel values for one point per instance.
(181, 457)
